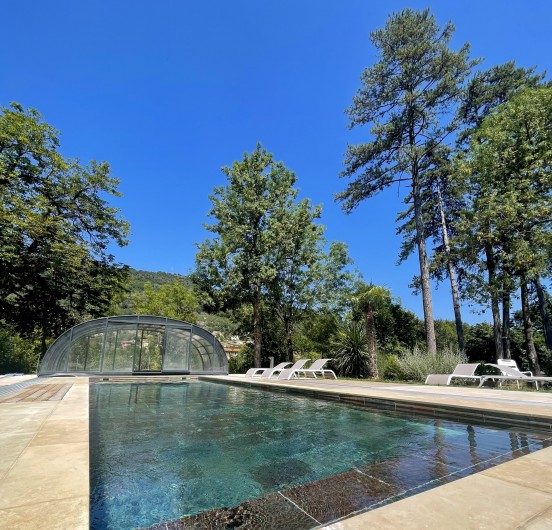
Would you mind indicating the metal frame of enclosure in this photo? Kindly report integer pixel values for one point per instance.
(135, 344)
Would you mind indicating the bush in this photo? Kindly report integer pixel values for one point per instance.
(17, 354)
(390, 368)
(240, 363)
(416, 364)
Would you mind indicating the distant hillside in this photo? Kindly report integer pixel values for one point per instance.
(139, 278)
(137, 281)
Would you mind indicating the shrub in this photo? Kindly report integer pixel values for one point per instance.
(416, 364)
(351, 358)
(241, 362)
(391, 368)
(17, 354)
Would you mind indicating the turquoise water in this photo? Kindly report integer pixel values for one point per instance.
(163, 451)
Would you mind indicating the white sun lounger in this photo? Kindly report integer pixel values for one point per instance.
(510, 372)
(288, 373)
(462, 371)
(316, 368)
(260, 372)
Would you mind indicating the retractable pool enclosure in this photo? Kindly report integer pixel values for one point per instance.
(135, 344)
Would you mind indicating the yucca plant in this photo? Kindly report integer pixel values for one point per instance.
(351, 356)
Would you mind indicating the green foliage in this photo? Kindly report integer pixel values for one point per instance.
(407, 92)
(168, 300)
(480, 343)
(240, 363)
(445, 332)
(139, 278)
(391, 368)
(17, 354)
(416, 364)
(223, 324)
(55, 230)
(406, 96)
(314, 334)
(268, 253)
(351, 357)
(396, 327)
(490, 88)
(237, 265)
(506, 232)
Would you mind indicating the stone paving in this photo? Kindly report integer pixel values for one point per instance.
(44, 465)
(44, 460)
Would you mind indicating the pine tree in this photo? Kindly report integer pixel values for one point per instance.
(407, 96)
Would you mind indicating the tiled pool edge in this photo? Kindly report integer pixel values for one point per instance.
(512, 495)
(461, 413)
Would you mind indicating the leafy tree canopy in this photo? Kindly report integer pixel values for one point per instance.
(55, 229)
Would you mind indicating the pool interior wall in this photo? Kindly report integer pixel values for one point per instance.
(208, 455)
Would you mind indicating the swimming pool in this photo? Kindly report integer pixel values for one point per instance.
(161, 452)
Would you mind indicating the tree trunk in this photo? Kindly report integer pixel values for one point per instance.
(257, 334)
(452, 277)
(43, 342)
(528, 330)
(497, 331)
(506, 325)
(371, 340)
(545, 316)
(424, 266)
(289, 340)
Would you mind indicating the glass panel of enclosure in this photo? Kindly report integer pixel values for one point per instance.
(85, 349)
(177, 347)
(200, 358)
(119, 347)
(127, 344)
(58, 362)
(148, 356)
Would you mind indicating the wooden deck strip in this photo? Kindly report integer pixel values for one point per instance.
(58, 396)
(39, 391)
(48, 392)
(18, 396)
(44, 393)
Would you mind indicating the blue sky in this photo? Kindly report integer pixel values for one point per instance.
(168, 92)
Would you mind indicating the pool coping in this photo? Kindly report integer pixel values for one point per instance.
(414, 405)
(46, 470)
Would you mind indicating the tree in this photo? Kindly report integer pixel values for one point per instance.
(442, 196)
(172, 301)
(511, 198)
(237, 266)
(307, 278)
(371, 300)
(487, 90)
(544, 305)
(295, 258)
(55, 230)
(407, 96)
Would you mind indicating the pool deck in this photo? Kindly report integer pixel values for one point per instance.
(44, 454)
(44, 467)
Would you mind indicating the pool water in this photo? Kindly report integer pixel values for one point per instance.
(161, 452)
